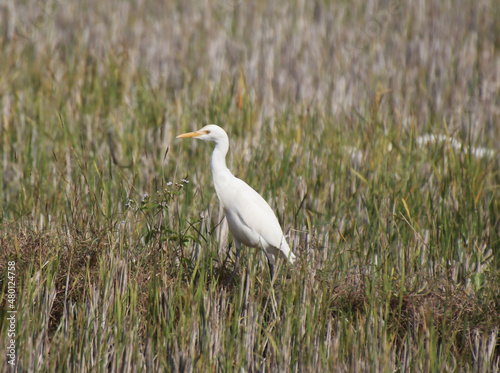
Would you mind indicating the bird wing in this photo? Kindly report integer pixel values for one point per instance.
(241, 201)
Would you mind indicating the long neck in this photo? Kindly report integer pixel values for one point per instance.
(220, 173)
(218, 161)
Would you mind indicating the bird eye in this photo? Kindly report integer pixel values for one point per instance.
(207, 132)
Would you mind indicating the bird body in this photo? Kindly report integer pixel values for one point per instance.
(251, 220)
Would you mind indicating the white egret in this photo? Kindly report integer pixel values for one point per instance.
(251, 220)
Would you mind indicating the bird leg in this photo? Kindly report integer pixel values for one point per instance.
(270, 263)
(236, 263)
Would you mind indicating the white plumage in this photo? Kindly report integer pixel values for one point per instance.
(251, 220)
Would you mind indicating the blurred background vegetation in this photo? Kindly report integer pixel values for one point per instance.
(371, 127)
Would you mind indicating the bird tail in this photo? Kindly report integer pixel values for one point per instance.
(285, 249)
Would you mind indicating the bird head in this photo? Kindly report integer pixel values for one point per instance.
(211, 132)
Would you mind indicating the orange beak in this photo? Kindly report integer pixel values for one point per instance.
(190, 134)
(193, 134)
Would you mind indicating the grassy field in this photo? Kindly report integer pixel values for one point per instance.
(372, 128)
